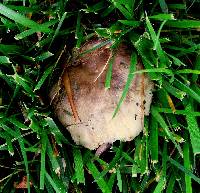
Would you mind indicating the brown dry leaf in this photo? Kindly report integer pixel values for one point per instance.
(94, 105)
(22, 184)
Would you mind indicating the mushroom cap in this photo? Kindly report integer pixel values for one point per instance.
(95, 105)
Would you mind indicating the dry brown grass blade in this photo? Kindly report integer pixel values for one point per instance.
(55, 149)
(171, 104)
(69, 92)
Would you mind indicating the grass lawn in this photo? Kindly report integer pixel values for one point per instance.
(38, 38)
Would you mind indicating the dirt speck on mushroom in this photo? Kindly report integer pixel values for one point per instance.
(87, 110)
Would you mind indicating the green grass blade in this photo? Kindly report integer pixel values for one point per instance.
(95, 8)
(182, 51)
(148, 66)
(164, 160)
(177, 6)
(187, 165)
(196, 67)
(193, 129)
(119, 180)
(147, 146)
(137, 157)
(25, 84)
(18, 18)
(154, 140)
(188, 71)
(41, 43)
(122, 9)
(112, 163)
(163, 6)
(176, 60)
(7, 129)
(108, 10)
(23, 9)
(24, 155)
(140, 156)
(96, 175)
(58, 28)
(178, 112)
(157, 42)
(131, 23)
(128, 82)
(8, 49)
(43, 56)
(96, 46)
(79, 171)
(187, 89)
(43, 159)
(79, 31)
(157, 70)
(171, 183)
(162, 17)
(109, 72)
(164, 61)
(111, 181)
(8, 139)
(161, 121)
(184, 170)
(17, 123)
(173, 90)
(160, 186)
(184, 24)
(53, 159)
(60, 138)
(29, 32)
(54, 184)
(144, 47)
(43, 78)
(4, 60)
(144, 182)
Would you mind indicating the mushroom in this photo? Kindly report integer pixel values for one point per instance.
(85, 107)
